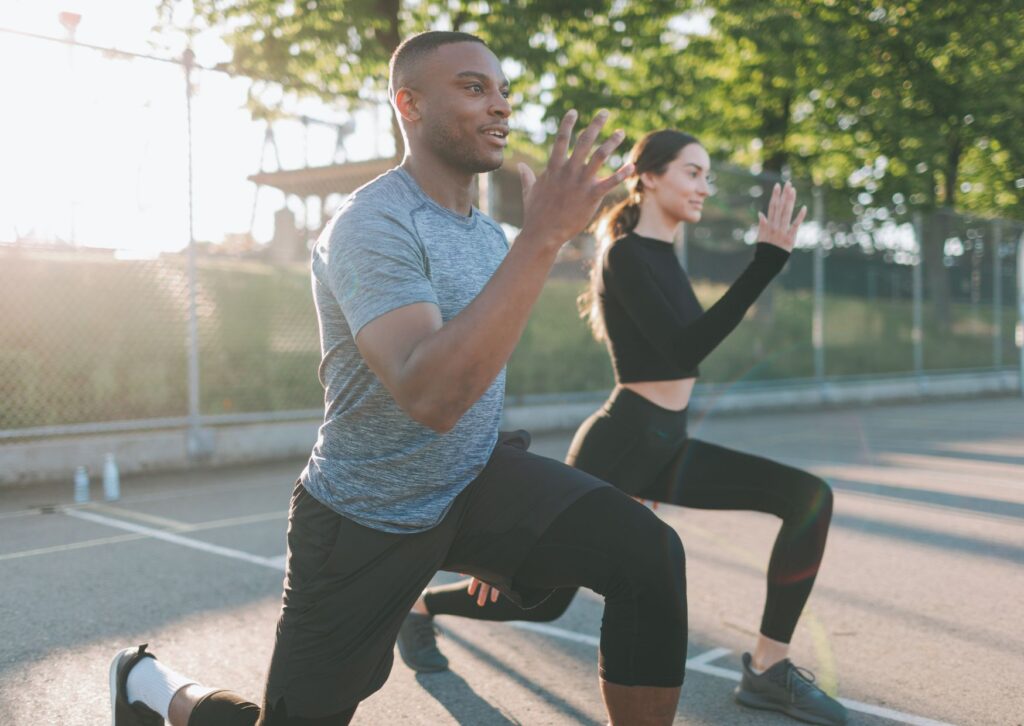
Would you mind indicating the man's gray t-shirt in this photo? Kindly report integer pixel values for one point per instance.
(391, 245)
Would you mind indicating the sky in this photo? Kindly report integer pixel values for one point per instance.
(94, 149)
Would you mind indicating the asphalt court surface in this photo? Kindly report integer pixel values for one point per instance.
(915, 618)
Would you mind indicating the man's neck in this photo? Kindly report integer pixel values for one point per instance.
(450, 188)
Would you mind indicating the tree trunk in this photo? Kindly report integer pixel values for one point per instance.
(396, 133)
(937, 229)
(773, 133)
(389, 36)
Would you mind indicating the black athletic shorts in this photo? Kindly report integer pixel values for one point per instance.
(348, 588)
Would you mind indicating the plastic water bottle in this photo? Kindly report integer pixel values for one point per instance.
(111, 479)
(81, 485)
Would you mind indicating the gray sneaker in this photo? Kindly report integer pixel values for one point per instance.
(791, 690)
(417, 644)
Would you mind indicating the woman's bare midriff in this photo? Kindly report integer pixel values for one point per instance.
(673, 395)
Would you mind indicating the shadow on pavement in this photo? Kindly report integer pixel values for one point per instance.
(570, 712)
(981, 505)
(931, 538)
(460, 700)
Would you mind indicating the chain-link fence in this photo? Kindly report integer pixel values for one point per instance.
(154, 260)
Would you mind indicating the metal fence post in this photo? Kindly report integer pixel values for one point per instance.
(917, 334)
(818, 314)
(1020, 310)
(197, 444)
(997, 294)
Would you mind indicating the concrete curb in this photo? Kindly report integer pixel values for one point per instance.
(55, 458)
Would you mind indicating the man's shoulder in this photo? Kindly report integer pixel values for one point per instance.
(380, 209)
(387, 195)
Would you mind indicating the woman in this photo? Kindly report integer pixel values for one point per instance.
(641, 304)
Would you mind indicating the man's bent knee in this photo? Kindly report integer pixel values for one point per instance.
(644, 630)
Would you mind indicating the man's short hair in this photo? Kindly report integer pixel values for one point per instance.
(415, 48)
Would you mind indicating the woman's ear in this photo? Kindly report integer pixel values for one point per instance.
(647, 181)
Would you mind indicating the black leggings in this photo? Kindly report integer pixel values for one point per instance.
(643, 450)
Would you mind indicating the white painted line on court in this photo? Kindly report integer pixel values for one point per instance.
(556, 632)
(201, 527)
(132, 514)
(70, 547)
(235, 521)
(700, 663)
(705, 658)
(703, 664)
(273, 563)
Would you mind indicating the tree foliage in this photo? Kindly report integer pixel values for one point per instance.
(911, 97)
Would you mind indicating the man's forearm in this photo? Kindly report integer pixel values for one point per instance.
(448, 371)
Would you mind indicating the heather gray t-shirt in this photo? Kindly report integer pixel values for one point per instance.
(391, 245)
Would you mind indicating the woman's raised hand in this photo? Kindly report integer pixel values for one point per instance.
(776, 228)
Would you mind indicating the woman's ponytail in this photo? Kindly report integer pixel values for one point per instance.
(651, 154)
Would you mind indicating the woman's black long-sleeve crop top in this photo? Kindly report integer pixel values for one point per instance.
(656, 329)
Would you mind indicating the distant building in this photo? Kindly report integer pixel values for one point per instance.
(499, 195)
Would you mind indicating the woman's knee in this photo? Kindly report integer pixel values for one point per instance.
(811, 499)
(820, 497)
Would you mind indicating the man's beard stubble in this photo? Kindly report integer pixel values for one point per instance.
(453, 148)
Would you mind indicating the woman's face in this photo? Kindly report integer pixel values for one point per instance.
(681, 190)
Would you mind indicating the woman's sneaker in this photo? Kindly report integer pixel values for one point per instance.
(123, 713)
(790, 690)
(417, 644)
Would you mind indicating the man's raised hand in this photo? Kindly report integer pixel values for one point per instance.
(559, 203)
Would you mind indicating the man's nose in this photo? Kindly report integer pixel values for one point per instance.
(501, 106)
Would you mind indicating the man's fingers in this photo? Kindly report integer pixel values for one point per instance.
(610, 182)
(481, 599)
(586, 140)
(527, 178)
(495, 594)
(604, 151)
(561, 145)
(473, 585)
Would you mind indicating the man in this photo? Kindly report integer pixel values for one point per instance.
(420, 303)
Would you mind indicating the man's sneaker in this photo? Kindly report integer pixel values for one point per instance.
(791, 690)
(123, 713)
(418, 645)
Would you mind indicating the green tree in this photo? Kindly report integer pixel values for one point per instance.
(339, 49)
(938, 96)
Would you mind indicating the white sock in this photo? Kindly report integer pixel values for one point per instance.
(152, 683)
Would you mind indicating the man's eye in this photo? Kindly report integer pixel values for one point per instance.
(476, 88)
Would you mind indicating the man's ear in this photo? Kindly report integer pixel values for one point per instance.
(407, 104)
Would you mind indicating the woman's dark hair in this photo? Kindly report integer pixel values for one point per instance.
(651, 154)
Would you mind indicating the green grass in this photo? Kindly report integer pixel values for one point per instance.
(85, 340)
(862, 337)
